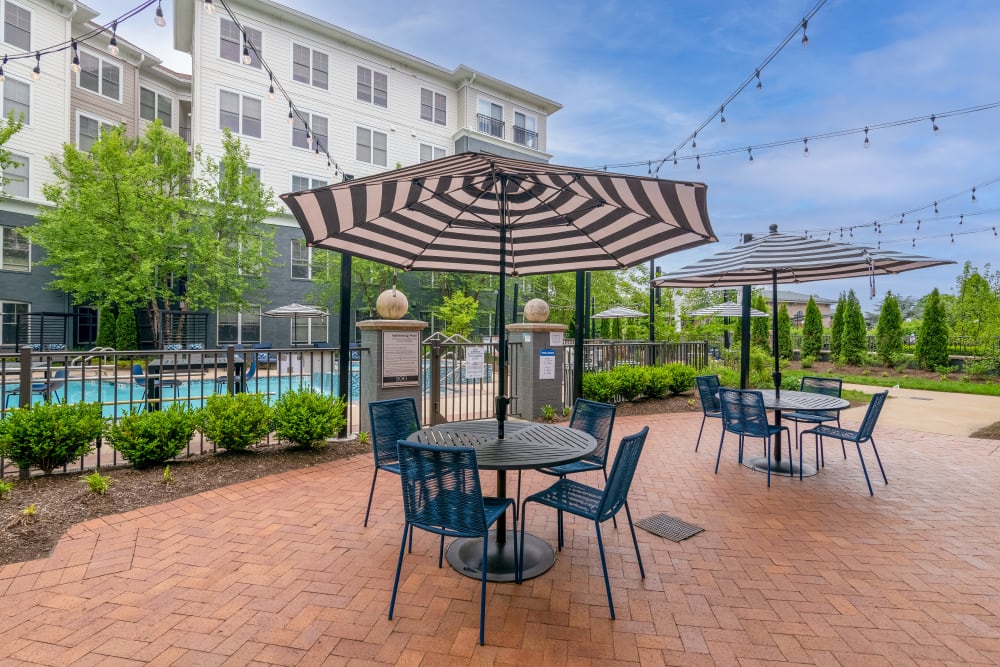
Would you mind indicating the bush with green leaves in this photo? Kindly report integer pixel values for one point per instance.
(600, 386)
(889, 331)
(50, 435)
(729, 377)
(147, 439)
(658, 382)
(812, 331)
(807, 362)
(680, 378)
(932, 342)
(307, 419)
(853, 337)
(235, 422)
(630, 381)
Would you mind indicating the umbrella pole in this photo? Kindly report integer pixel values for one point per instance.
(745, 340)
(774, 332)
(344, 333)
(501, 399)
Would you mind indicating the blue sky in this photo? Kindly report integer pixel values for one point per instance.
(636, 78)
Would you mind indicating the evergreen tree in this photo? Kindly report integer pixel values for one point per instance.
(853, 339)
(759, 329)
(784, 333)
(932, 341)
(889, 332)
(126, 330)
(812, 331)
(106, 328)
(837, 328)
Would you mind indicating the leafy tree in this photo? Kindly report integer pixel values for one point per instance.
(932, 341)
(8, 128)
(837, 327)
(975, 312)
(130, 226)
(889, 332)
(784, 333)
(812, 331)
(106, 328)
(459, 311)
(126, 331)
(759, 326)
(853, 339)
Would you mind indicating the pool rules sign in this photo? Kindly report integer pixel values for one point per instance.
(400, 358)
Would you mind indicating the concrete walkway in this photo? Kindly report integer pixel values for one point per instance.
(931, 411)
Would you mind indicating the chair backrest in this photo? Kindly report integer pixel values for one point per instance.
(441, 488)
(825, 386)
(708, 392)
(597, 419)
(250, 372)
(871, 416)
(392, 420)
(58, 380)
(138, 375)
(743, 412)
(622, 472)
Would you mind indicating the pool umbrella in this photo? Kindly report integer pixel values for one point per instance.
(293, 311)
(728, 309)
(617, 312)
(482, 213)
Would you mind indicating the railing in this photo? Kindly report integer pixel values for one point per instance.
(456, 388)
(525, 137)
(489, 125)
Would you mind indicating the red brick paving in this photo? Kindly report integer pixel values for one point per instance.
(281, 572)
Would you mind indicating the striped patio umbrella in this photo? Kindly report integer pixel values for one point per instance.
(487, 214)
(728, 309)
(617, 311)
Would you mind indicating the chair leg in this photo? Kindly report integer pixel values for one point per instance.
(371, 494)
(519, 563)
(767, 456)
(718, 456)
(482, 594)
(518, 501)
(635, 542)
(843, 447)
(399, 567)
(440, 552)
(604, 567)
(613, 519)
(864, 469)
(698, 441)
(879, 459)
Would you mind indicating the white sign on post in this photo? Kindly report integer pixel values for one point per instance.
(400, 358)
(546, 364)
(556, 338)
(475, 358)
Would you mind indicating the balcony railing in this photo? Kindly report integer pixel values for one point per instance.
(491, 126)
(525, 137)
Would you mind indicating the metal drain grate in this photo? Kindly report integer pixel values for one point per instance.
(667, 526)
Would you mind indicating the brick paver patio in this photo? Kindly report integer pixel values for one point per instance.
(280, 571)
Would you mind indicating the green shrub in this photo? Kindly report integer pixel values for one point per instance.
(600, 386)
(126, 329)
(932, 342)
(681, 378)
(729, 377)
(807, 362)
(97, 483)
(308, 419)
(147, 439)
(658, 381)
(548, 413)
(630, 381)
(6, 487)
(812, 331)
(50, 435)
(235, 421)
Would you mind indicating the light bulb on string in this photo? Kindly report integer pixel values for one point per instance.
(270, 88)
(309, 140)
(2, 66)
(759, 82)
(868, 143)
(901, 217)
(961, 218)
(291, 118)
(851, 231)
(914, 242)
(934, 125)
(878, 246)
(841, 232)
(805, 37)
(722, 114)
(694, 140)
(649, 168)
(750, 153)
(805, 149)
(113, 44)
(36, 72)
(994, 231)
(697, 162)
(158, 19)
(953, 239)
(973, 194)
(935, 208)
(76, 58)
(246, 49)
(209, 7)
(918, 225)
(828, 234)
(675, 158)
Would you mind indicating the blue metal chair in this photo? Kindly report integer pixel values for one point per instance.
(863, 434)
(818, 385)
(590, 503)
(442, 495)
(266, 357)
(391, 420)
(743, 414)
(708, 393)
(140, 379)
(239, 381)
(46, 388)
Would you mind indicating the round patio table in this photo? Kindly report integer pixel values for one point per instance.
(526, 446)
(795, 401)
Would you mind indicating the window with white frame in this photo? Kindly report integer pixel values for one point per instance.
(16, 250)
(10, 311)
(309, 330)
(17, 99)
(310, 66)
(373, 86)
(371, 147)
(303, 137)
(100, 75)
(231, 43)
(17, 26)
(153, 105)
(239, 326)
(88, 130)
(433, 106)
(490, 118)
(16, 174)
(301, 260)
(300, 183)
(240, 113)
(525, 129)
(429, 152)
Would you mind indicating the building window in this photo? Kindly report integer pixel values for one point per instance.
(428, 152)
(231, 43)
(300, 183)
(17, 26)
(17, 99)
(433, 106)
(100, 76)
(525, 130)
(240, 113)
(490, 118)
(89, 130)
(16, 254)
(16, 176)
(10, 311)
(309, 66)
(241, 327)
(373, 86)
(301, 260)
(317, 131)
(371, 147)
(308, 330)
(153, 105)
(86, 325)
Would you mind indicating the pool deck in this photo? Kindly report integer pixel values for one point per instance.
(280, 571)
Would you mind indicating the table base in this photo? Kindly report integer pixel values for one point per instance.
(466, 556)
(784, 467)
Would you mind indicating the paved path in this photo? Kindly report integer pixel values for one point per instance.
(932, 411)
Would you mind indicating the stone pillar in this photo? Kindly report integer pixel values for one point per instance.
(403, 337)
(535, 352)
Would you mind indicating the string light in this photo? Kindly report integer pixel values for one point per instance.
(159, 20)
(76, 58)
(805, 37)
(961, 218)
(675, 158)
(750, 153)
(934, 125)
(973, 193)
(2, 66)
(291, 118)
(270, 88)
(209, 7)
(36, 72)
(309, 139)
(113, 44)
(935, 208)
(953, 239)
(868, 143)
(694, 141)
(246, 51)
(722, 114)
(697, 162)
(760, 84)
(805, 149)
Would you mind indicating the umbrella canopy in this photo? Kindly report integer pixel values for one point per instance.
(488, 214)
(617, 311)
(295, 310)
(728, 309)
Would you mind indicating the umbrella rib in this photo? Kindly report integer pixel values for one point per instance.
(419, 182)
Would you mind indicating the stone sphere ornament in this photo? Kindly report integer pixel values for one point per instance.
(536, 310)
(392, 305)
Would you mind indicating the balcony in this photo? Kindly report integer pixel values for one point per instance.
(491, 126)
(525, 137)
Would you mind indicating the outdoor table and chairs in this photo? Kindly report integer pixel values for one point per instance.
(526, 445)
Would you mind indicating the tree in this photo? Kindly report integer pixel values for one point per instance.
(812, 331)
(759, 329)
(130, 227)
(106, 328)
(853, 338)
(975, 312)
(837, 327)
(459, 311)
(8, 129)
(784, 333)
(889, 332)
(932, 341)
(126, 331)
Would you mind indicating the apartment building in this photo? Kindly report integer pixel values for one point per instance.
(365, 107)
